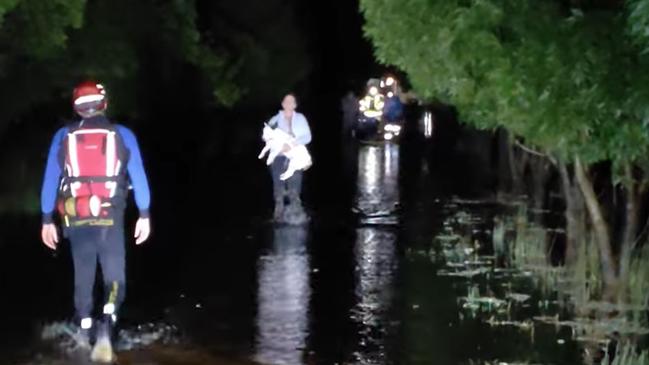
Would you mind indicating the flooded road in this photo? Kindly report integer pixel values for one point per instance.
(409, 278)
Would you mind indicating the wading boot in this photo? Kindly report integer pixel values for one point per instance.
(102, 352)
(295, 211)
(295, 200)
(82, 335)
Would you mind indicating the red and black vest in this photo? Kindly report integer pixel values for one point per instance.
(95, 159)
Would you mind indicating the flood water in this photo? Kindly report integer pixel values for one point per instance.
(368, 281)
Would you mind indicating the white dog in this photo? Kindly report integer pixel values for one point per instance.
(276, 139)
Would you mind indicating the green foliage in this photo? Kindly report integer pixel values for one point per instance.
(638, 287)
(638, 24)
(628, 353)
(6, 6)
(141, 50)
(40, 28)
(272, 49)
(215, 64)
(56, 43)
(560, 81)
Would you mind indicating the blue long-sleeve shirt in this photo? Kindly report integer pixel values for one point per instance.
(298, 127)
(54, 172)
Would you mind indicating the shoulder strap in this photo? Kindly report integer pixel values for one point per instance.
(74, 126)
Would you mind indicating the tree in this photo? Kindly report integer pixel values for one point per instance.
(556, 78)
(54, 44)
(139, 49)
(272, 49)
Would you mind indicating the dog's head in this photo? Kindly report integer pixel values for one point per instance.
(267, 133)
(276, 134)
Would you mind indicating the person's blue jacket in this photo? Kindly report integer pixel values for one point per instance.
(393, 109)
(299, 127)
(54, 170)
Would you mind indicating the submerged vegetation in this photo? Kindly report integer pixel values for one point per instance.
(559, 77)
(506, 278)
(566, 80)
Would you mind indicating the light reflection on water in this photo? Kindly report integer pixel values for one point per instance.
(377, 200)
(376, 264)
(283, 297)
(377, 196)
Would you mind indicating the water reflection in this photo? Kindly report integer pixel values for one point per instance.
(376, 264)
(283, 297)
(377, 195)
(377, 199)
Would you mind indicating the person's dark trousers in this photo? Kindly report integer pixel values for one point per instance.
(292, 186)
(92, 244)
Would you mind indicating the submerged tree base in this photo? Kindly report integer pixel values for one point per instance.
(512, 277)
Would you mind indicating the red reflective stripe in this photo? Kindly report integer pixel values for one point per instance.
(72, 154)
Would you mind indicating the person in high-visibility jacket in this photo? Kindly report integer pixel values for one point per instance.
(372, 104)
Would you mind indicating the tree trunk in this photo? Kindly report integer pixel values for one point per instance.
(504, 168)
(631, 214)
(521, 161)
(540, 171)
(602, 231)
(575, 218)
(513, 168)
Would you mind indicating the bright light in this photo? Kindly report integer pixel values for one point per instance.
(394, 128)
(428, 124)
(388, 136)
(389, 81)
(373, 90)
(86, 323)
(390, 94)
(109, 308)
(382, 84)
(372, 113)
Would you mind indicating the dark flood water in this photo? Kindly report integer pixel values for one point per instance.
(358, 285)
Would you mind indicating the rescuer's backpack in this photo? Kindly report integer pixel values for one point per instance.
(94, 160)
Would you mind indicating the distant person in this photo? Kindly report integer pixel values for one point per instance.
(296, 125)
(89, 168)
(349, 106)
(393, 109)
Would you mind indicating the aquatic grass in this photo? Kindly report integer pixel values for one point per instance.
(529, 244)
(475, 304)
(498, 238)
(499, 362)
(523, 247)
(638, 288)
(628, 354)
(530, 254)
(586, 275)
